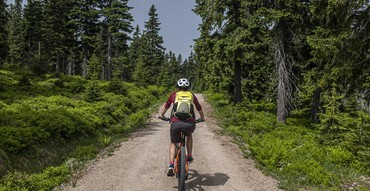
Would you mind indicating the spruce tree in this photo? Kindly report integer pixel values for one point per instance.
(338, 45)
(58, 33)
(165, 75)
(174, 67)
(3, 34)
(16, 36)
(34, 18)
(94, 69)
(117, 21)
(190, 68)
(221, 31)
(133, 54)
(84, 20)
(285, 15)
(151, 52)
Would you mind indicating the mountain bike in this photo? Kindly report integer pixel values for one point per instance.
(181, 163)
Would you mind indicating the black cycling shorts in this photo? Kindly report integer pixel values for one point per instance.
(177, 126)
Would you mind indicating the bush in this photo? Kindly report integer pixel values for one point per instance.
(339, 155)
(105, 140)
(84, 153)
(117, 87)
(138, 119)
(47, 180)
(63, 110)
(301, 156)
(218, 99)
(93, 92)
(6, 79)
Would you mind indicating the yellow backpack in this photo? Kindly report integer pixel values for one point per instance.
(183, 108)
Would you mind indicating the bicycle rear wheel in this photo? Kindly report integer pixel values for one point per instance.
(182, 170)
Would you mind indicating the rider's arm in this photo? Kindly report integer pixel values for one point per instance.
(167, 104)
(199, 107)
(201, 115)
(164, 110)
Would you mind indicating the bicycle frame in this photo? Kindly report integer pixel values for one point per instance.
(181, 165)
(180, 158)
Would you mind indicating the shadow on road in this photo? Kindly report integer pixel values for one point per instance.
(197, 182)
(147, 131)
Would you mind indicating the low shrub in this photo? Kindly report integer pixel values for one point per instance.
(47, 180)
(298, 154)
(84, 153)
(138, 119)
(37, 114)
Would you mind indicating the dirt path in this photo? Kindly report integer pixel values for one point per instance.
(141, 163)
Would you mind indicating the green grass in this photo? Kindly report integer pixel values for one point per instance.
(46, 121)
(294, 153)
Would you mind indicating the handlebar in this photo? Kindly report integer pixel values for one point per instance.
(199, 120)
(163, 118)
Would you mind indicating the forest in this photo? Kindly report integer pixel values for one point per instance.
(289, 80)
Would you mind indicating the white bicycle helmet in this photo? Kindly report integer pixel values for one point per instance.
(183, 82)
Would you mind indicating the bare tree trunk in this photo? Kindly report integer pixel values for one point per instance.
(70, 67)
(110, 67)
(284, 88)
(237, 81)
(103, 71)
(57, 64)
(84, 64)
(29, 62)
(315, 105)
(237, 64)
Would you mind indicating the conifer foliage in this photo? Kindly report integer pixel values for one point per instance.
(151, 52)
(291, 53)
(60, 36)
(3, 34)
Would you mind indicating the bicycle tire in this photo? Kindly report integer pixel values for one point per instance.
(177, 162)
(182, 173)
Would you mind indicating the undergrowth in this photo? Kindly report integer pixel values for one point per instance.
(298, 153)
(51, 125)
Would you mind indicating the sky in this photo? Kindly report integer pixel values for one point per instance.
(179, 23)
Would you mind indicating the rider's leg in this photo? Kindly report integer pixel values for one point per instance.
(189, 144)
(172, 152)
(172, 156)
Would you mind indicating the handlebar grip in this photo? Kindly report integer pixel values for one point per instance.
(199, 120)
(164, 118)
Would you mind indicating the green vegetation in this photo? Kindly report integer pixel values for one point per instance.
(296, 72)
(47, 180)
(299, 154)
(292, 83)
(50, 120)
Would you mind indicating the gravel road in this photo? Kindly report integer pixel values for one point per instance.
(141, 163)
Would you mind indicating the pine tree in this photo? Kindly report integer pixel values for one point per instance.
(210, 67)
(58, 33)
(3, 34)
(280, 24)
(174, 67)
(16, 37)
(84, 19)
(133, 54)
(190, 68)
(34, 18)
(117, 21)
(165, 75)
(94, 70)
(221, 32)
(151, 52)
(338, 43)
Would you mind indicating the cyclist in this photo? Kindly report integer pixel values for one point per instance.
(176, 124)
